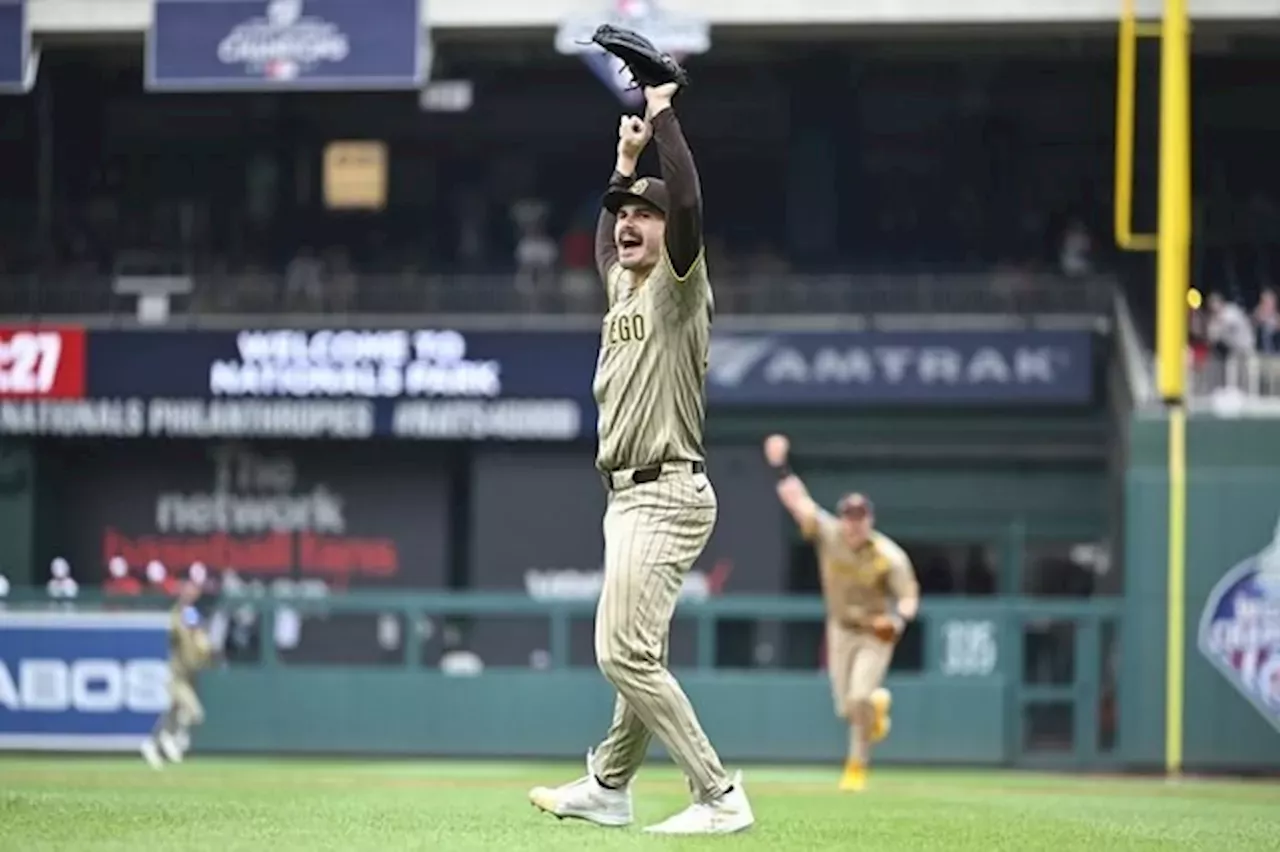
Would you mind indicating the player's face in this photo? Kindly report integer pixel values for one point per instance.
(856, 525)
(189, 593)
(637, 235)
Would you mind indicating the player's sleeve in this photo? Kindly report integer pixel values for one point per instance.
(819, 527)
(606, 251)
(902, 574)
(683, 248)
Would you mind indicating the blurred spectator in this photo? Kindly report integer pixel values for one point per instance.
(1231, 338)
(341, 285)
(61, 584)
(1229, 331)
(304, 281)
(1075, 256)
(119, 580)
(579, 280)
(536, 256)
(1266, 319)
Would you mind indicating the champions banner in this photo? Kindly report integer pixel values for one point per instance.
(19, 60)
(81, 681)
(266, 45)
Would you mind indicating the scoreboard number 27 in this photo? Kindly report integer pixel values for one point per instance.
(29, 362)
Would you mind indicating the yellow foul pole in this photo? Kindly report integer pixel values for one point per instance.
(1172, 242)
(1172, 281)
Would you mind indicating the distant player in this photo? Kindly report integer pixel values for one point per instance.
(189, 652)
(650, 386)
(870, 590)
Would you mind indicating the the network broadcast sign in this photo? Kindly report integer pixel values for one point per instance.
(901, 368)
(19, 59)
(267, 45)
(81, 681)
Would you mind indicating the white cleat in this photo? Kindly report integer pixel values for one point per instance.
(585, 799)
(726, 815)
(169, 747)
(151, 754)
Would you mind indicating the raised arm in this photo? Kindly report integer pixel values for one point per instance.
(684, 218)
(633, 135)
(791, 491)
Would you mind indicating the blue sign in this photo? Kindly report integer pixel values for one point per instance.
(81, 681)
(18, 59)
(264, 45)
(422, 383)
(890, 368)
(1240, 629)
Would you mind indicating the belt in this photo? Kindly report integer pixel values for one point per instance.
(615, 480)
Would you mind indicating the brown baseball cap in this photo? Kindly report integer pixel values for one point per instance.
(645, 190)
(856, 505)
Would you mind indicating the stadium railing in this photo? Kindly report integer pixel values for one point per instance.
(988, 671)
(1012, 612)
(229, 298)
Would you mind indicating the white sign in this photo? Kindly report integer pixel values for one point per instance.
(86, 685)
(369, 364)
(969, 648)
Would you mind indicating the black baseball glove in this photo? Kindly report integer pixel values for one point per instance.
(648, 65)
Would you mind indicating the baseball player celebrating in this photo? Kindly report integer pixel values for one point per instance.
(863, 571)
(650, 390)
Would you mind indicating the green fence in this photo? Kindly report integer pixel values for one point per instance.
(1003, 680)
(1233, 504)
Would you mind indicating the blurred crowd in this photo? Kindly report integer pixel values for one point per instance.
(1235, 346)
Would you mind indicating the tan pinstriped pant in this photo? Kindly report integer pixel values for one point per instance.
(857, 662)
(653, 533)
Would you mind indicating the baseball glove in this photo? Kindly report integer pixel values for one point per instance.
(885, 628)
(648, 65)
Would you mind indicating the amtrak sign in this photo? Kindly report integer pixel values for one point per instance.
(909, 367)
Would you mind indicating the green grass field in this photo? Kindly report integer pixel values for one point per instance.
(280, 805)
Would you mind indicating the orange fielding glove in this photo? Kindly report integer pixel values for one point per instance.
(887, 628)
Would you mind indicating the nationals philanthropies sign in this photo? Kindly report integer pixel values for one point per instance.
(352, 517)
(410, 384)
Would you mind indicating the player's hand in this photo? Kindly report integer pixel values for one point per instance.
(776, 449)
(633, 135)
(658, 98)
(790, 491)
(887, 628)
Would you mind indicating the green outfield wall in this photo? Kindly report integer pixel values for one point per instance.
(1233, 505)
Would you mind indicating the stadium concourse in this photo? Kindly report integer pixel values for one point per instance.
(300, 321)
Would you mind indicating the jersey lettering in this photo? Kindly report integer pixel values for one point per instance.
(626, 328)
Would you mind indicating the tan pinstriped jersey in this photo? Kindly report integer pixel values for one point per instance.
(650, 383)
(189, 649)
(859, 583)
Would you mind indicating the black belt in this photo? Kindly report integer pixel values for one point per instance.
(641, 475)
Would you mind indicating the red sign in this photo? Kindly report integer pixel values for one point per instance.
(45, 363)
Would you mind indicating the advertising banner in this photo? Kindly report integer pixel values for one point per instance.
(890, 368)
(513, 386)
(81, 681)
(536, 528)
(422, 384)
(271, 45)
(19, 59)
(362, 517)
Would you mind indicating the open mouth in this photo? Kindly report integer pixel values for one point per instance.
(628, 241)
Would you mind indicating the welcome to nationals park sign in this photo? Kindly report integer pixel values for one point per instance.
(341, 384)
(444, 384)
